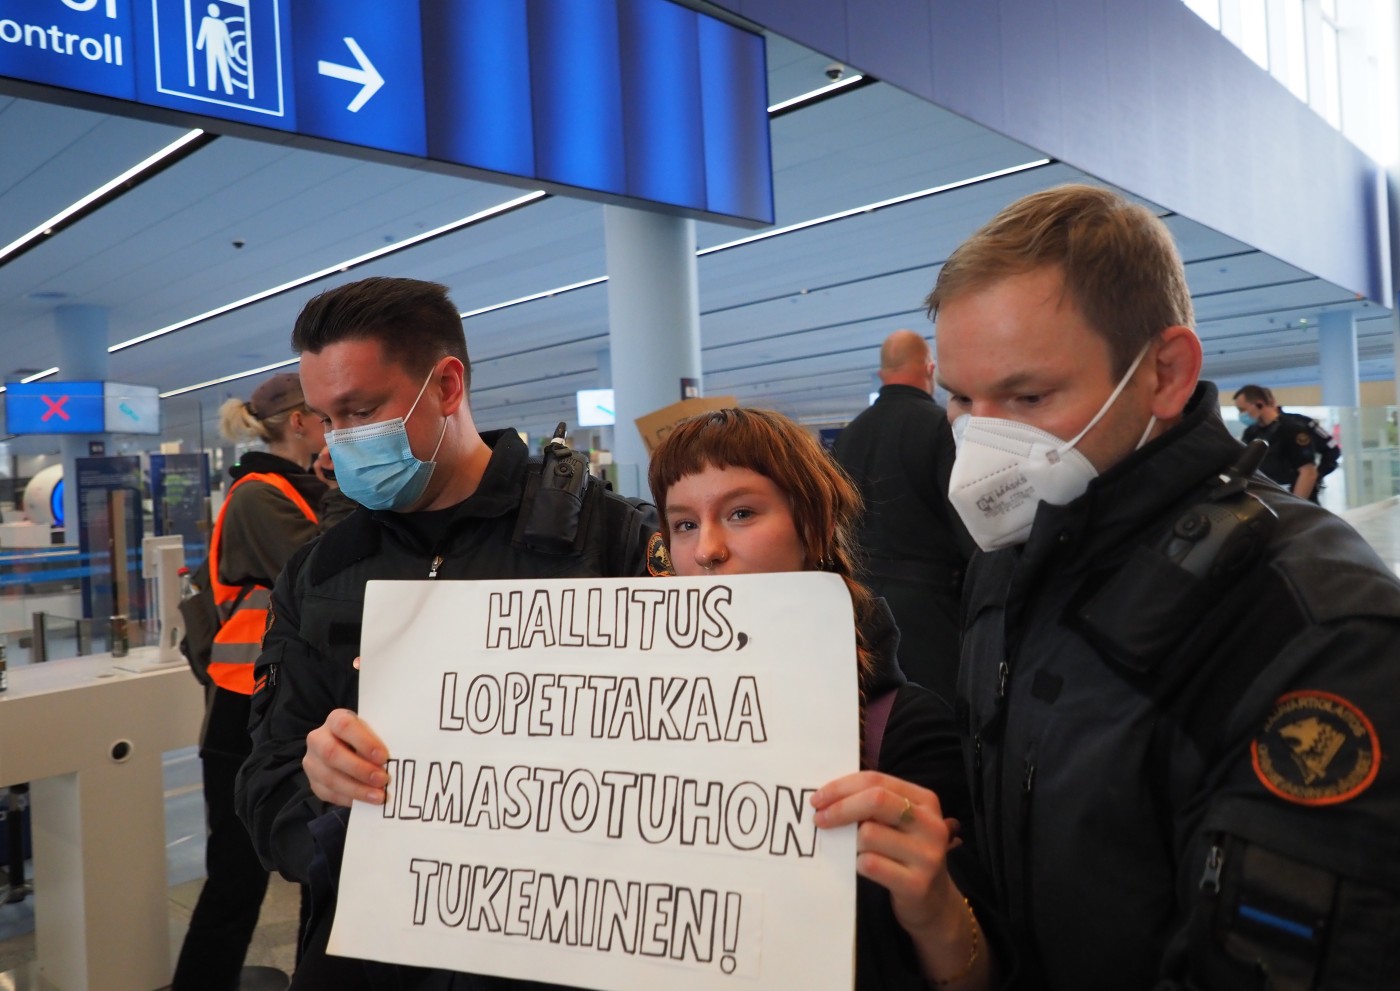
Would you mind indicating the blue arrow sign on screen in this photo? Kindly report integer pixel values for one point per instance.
(644, 99)
(359, 73)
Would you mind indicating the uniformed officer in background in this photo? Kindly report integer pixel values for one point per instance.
(1177, 681)
(1300, 452)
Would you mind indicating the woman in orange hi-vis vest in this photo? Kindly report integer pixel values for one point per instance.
(270, 510)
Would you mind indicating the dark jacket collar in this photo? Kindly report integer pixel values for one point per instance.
(357, 537)
(904, 390)
(312, 489)
(267, 463)
(1139, 489)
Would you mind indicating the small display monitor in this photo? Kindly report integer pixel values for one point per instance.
(595, 408)
(131, 409)
(54, 407)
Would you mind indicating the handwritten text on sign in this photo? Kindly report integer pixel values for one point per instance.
(606, 783)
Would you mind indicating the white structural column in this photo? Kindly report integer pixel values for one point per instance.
(1336, 347)
(653, 318)
(82, 344)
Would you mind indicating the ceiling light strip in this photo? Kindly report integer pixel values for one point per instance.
(231, 378)
(573, 286)
(777, 231)
(534, 296)
(819, 94)
(340, 267)
(35, 377)
(186, 144)
(874, 207)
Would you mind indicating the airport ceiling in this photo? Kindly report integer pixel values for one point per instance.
(791, 321)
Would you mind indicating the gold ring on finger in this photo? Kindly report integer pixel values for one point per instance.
(906, 814)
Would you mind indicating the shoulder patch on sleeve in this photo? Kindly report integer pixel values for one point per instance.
(1304, 439)
(658, 559)
(1316, 748)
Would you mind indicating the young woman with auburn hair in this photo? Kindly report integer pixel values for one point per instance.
(745, 491)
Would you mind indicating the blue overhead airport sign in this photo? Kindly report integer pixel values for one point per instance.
(630, 98)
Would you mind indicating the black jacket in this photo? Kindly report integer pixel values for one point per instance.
(914, 548)
(1156, 807)
(920, 745)
(899, 452)
(305, 669)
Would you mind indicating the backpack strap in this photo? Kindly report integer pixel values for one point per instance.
(877, 715)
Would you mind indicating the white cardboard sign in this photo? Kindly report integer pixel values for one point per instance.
(605, 783)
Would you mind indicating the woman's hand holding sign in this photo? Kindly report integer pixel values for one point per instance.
(345, 760)
(902, 842)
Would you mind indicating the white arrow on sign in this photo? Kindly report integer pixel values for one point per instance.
(366, 75)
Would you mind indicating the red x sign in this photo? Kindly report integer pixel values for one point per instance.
(54, 407)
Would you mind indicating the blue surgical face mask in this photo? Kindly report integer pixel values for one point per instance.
(374, 463)
(1249, 419)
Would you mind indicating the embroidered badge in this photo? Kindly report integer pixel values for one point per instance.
(658, 559)
(1316, 749)
(1304, 439)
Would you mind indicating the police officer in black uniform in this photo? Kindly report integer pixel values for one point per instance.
(1176, 684)
(1300, 452)
(384, 363)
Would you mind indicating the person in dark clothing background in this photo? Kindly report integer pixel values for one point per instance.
(1300, 452)
(747, 491)
(272, 508)
(914, 549)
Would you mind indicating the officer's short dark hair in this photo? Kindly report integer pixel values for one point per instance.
(414, 322)
(1254, 394)
(1119, 262)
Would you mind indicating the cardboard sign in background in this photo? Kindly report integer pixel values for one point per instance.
(654, 426)
(605, 783)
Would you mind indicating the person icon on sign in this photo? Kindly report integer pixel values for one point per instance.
(217, 42)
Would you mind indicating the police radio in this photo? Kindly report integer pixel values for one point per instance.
(552, 509)
(1222, 534)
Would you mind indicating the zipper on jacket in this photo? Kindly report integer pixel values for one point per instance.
(1027, 847)
(1210, 877)
(978, 788)
(437, 563)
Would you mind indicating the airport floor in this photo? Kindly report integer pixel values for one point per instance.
(274, 945)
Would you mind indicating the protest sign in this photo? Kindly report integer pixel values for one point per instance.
(606, 783)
